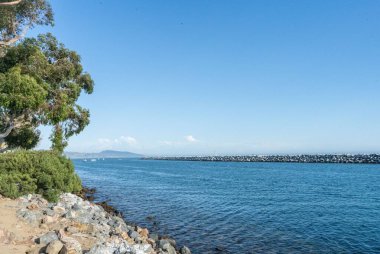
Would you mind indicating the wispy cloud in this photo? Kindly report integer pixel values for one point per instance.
(191, 139)
(116, 143)
(104, 141)
(129, 140)
(166, 142)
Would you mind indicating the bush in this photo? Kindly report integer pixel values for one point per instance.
(42, 172)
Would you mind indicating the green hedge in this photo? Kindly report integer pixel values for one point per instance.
(42, 172)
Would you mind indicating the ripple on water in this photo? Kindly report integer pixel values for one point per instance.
(246, 207)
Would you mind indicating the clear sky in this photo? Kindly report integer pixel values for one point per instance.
(177, 77)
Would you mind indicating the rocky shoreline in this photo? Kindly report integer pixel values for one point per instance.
(74, 225)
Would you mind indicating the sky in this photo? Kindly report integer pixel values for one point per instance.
(222, 77)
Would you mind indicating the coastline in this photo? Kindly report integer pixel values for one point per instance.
(74, 225)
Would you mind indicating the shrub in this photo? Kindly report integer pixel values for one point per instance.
(42, 172)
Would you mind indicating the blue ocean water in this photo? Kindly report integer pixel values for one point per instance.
(246, 207)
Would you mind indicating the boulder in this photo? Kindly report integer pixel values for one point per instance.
(71, 246)
(47, 238)
(133, 234)
(144, 232)
(54, 247)
(185, 250)
(59, 209)
(154, 237)
(168, 248)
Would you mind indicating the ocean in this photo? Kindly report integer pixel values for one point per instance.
(222, 207)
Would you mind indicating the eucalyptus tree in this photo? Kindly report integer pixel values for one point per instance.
(40, 83)
(17, 17)
(40, 79)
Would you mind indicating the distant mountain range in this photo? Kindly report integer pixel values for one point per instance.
(103, 154)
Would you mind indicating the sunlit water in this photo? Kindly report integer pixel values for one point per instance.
(246, 207)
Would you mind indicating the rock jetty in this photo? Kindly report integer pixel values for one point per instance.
(323, 158)
(76, 226)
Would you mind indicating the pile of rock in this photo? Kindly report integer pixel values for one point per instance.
(75, 226)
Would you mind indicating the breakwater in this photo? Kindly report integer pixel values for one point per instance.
(324, 158)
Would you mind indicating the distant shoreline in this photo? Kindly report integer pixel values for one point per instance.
(327, 158)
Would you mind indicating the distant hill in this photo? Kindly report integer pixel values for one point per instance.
(103, 154)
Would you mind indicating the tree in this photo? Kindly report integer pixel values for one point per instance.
(17, 17)
(21, 100)
(49, 79)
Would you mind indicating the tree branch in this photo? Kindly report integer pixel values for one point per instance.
(16, 38)
(10, 3)
(7, 131)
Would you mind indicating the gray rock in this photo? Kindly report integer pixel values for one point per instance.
(185, 250)
(71, 246)
(138, 239)
(162, 242)
(142, 248)
(54, 247)
(133, 234)
(114, 248)
(75, 207)
(70, 214)
(100, 249)
(171, 241)
(154, 237)
(47, 238)
(168, 248)
(32, 217)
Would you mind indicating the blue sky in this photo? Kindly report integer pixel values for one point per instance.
(226, 77)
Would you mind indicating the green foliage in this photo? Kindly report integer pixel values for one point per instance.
(42, 172)
(20, 92)
(42, 80)
(25, 137)
(16, 19)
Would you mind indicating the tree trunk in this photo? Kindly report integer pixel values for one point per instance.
(7, 132)
(10, 3)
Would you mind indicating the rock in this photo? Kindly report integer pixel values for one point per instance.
(44, 227)
(133, 234)
(32, 217)
(48, 219)
(70, 214)
(144, 232)
(75, 207)
(171, 241)
(54, 247)
(35, 250)
(59, 209)
(151, 242)
(47, 238)
(154, 237)
(185, 250)
(162, 242)
(142, 248)
(100, 249)
(115, 246)
(168, 248)
(71, 246)
(138, 239)
(72, 230)
(32, 206)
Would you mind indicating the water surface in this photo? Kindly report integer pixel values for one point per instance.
(246, 207)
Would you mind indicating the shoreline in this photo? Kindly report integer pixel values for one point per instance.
(74, 225)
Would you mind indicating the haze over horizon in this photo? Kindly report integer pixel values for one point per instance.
(226, 77)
